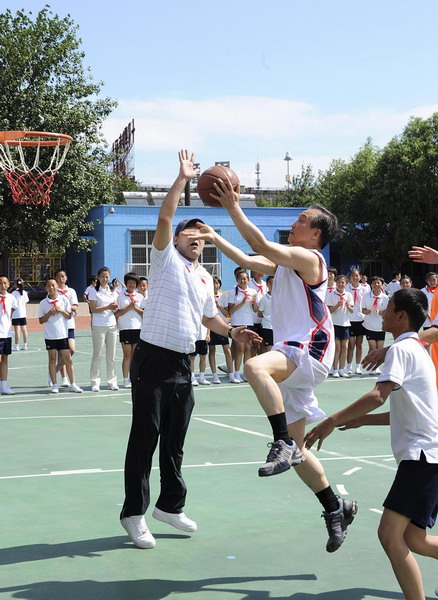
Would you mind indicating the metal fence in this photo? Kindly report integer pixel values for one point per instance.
(34, 269)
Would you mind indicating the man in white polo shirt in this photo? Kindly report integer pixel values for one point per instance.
(179, 302)
(408, 378)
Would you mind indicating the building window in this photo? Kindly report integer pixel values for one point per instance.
(140, 250)
(283, 236)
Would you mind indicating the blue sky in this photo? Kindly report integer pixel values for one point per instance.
(245, 80)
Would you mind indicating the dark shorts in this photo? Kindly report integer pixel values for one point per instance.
(356, 328)
(129, 336)
(201, 348)
(377, 336)
(414, 492)
(71, 334)
(21, 321)
(5, 345)
(218, 340)
(257, 327)
(268, 337)
(57, 344)
(341, 332)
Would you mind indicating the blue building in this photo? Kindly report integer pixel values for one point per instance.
(123, 238)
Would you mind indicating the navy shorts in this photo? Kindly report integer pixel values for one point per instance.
(268, 337)
(341, 332)
(356, 328)
(71, 334)
(201, 348)
(5, 345)
(21, 321)
(57, 344)
(129, 336)
(377, 336)
(218, 340)
(414, 492)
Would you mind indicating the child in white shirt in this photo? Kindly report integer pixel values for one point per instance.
(55, 312)
(19, 322)
(8, 305)
(373, 307)
(264, 312)
(340, 304)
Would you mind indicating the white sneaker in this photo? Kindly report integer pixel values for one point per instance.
(7, 391)
(75, 388)
(204, 381)
(49, 381)
(232, 379)
(195, 382)
(216, 378)
(335, 374)
(377, 371)
(237, 378)
(65, 382)
(138, 532)
(16, 348)
(223, 368)
(55, 389)
(343, 373)
(349, 368)
(358, 371)
(113, 387)
(95, 388)
(24, 347)
(127, 384)
(178, 520)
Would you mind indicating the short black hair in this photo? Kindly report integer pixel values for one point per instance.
(327, 223)
(395, 273)
(332, 270)
(414, 303)
(377, 278)
(131, 276)
(216, 279)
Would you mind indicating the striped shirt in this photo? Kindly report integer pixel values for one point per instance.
(178, 298)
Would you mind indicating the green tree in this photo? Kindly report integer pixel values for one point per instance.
(301, 191)
(45, 87)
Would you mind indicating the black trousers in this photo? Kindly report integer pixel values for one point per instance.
(162, 402)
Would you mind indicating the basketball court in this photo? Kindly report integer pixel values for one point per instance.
(61, 481)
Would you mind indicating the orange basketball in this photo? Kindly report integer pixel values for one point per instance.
(211, 176)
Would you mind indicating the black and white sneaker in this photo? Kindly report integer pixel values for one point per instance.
(338, 521)
(281, 458)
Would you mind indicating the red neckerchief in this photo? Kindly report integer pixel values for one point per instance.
(330, 289)
(341, 296)
(63, 292)
(53, 302)
(259, 287)
(355, 296)
(376, 302)
(431, 289)
(3, 301)
(131, 296)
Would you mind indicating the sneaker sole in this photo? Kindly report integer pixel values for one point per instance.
(158, 517)
(281, 468)
(348, 521)
(145, 546)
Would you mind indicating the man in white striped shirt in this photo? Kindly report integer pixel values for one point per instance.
(179, 301)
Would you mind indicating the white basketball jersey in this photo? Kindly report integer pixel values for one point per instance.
(300, 315)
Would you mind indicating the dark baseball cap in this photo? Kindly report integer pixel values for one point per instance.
(187, 223)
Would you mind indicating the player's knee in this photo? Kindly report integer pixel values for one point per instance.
(386, 536)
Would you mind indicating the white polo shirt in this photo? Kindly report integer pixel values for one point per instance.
(7, 305)
(244, 314)
(22, 300)
(177, 301)
(340, 316)
(265, 308)
(222, 298)
(414, 402)
(261, 289)
(373, 322)
(131, 319)
(392, 287)
(429, 295)
(56, 327)
(73, 299)
(103, 297)
(357, 294)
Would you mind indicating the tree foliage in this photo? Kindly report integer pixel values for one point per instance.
(45, 87)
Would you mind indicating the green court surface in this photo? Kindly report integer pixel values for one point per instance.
(61, 481)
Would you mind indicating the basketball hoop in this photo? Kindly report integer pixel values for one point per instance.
(30, 183)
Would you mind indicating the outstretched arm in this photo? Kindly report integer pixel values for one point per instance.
(424, 255)
(163, 234)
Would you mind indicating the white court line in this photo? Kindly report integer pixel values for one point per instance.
(64, 395)
(341, 489)
(392, 458)
(376, 510)
(351, 471)
(232, 427)
(97, 416)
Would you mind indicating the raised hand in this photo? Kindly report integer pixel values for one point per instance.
(319, 433)
(424, 254)
(186, 161)
(226, 195)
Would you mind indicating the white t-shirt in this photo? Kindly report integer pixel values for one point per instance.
(265, 308)
(357, 294)
(244, 314)
(373, 322)
(429, 295)
(103, 297)
(7, 306)
(340, 316)
(22, 300)
(131, 319)
(87, 291)
(329, 290)
(56, 327)
(392, 287)
(177, 300)
(73, 299)
(261, 289)
(223, 301)
(414, 402)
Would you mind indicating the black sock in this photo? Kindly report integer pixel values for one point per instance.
(279, 428)
(328, 499)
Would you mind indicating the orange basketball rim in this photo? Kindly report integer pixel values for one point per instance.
(30, 161)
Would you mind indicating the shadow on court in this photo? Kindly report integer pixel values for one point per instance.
(159, 589)
(84, 548)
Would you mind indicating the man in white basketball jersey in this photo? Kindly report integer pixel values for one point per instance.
(283, 379)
